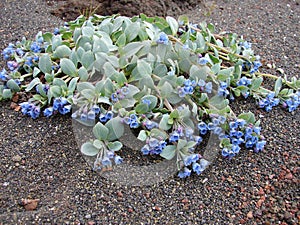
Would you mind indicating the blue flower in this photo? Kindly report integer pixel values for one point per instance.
(146, 101)
(102, 118)
(150, 124)
(246, 45)
(259, 146)
(197, 168)
(202, 61)
(185, 173)
(56, 31)
(174, 137)
(83, 116)
(125, 90)
(109, 115)
(145, 149)
(96, 109)
(35, 47)
(269, 102)
(106, 162)
(48, 112)
(244, 81)
(188, 160)
(163, 39)
(91, 115)
(208, 87)
(202, 128)
(114, 97)
(3, 75)
(118, 160)
(222, 91)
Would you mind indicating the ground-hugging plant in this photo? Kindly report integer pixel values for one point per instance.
(170, 80)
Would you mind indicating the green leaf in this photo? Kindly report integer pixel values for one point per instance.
(68, 67)
(89, 149)
(142, 135)
(45, 63)
(98, 144)
(131, 49)
(181, 144)
(55, 91)
(248, 117)
(87, 31)
(173, 24)
(158, 134)
(115, 146)
(32, 84)
(100, 131)
(132, 31)
(168, 152)
(198, 72)
(11, 84)
(116, 128)
(141, 108)
(166, 89)
(152, 99)
(7, 94)
(163, 124)
(72, 84)
(278, 86)
(83, 74)
(62, 52)
(87, 59)
(56, 41)
(121, 40)
(256, 83)
(36, 71)
(224, 74)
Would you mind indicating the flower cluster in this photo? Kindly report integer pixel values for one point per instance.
(131, 120)
(120, 94)
(241, 133)
(30, 60)
(106, 161)
(186, 134)
(87, 112)
(36, 47)
(10, 50)
(293, 102)
(60, 105)
(222, 91)
(269, 102)
(190, 85)
(104, 117)
(197, 167)
(153, 146)
(30, 109)
(214, 126)
(244, 81)
(12, 65)
(150, 124)
(255, 65)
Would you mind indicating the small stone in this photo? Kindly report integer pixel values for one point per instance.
(250, 215)
(156, 208)
(289, 176)
(16, 158)
(120, 194)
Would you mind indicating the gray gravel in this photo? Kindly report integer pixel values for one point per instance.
(40, 159)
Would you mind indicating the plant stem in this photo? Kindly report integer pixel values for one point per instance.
(226, 51)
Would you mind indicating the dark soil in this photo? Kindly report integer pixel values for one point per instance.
(40, 158)
(69, 10)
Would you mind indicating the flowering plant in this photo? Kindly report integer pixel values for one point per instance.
(169, 80)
